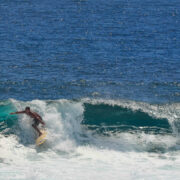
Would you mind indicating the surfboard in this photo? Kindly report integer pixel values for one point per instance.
(41, 139)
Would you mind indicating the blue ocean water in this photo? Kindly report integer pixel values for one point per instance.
(105, 49)
(104, 76)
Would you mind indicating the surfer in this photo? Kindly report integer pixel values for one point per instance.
(36, 118)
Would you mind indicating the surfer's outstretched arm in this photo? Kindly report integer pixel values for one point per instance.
(18, 112)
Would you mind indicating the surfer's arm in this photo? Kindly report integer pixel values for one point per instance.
(41, 121)
(39, 118)
(18, 112)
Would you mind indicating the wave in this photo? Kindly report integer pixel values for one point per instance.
(105, 118)
(121, 125)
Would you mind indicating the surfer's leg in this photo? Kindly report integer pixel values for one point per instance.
(35, 127)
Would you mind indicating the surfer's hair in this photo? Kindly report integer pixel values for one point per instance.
(27, 108)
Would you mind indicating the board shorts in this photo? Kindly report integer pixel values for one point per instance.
(36, 122)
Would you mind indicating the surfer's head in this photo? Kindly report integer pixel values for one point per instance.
(27, 109)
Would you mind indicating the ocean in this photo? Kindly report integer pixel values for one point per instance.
(104, 76)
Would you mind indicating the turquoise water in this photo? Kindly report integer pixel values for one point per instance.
(106, 118)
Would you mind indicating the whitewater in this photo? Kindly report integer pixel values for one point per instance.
(83, 144)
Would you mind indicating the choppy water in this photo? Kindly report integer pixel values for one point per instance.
(105, 77)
